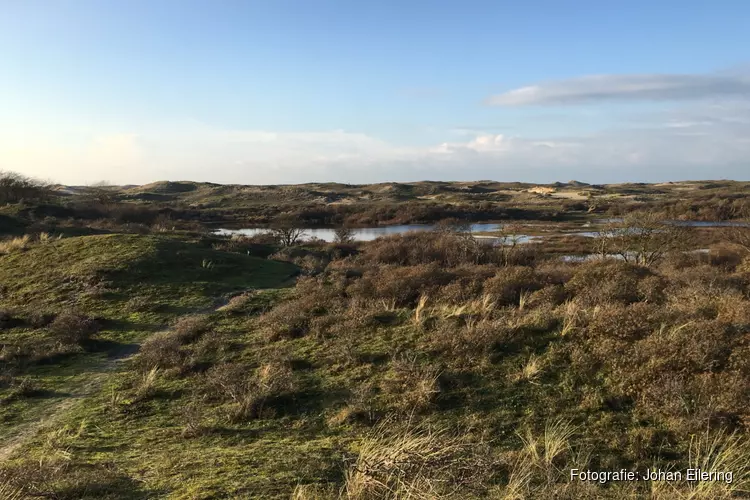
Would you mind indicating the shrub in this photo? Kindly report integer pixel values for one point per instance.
(607, 281)
(15, 188)
(39, 319)
(161, 350)
(400, 286)
(414, 384)
(509, 283)
(188, 329)
(286, 320)
(73, 328)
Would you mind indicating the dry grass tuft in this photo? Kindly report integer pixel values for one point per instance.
(413, 462)
(15, 244)
(531, 369)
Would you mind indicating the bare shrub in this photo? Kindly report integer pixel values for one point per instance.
(73, 328)
(287, 230)
(344, 235)
(641, 238)
(161, 350)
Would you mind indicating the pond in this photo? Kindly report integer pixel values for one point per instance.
(363, 233)
(371, 233)
(688, 223)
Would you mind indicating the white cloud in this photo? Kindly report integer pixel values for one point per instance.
(648, 87)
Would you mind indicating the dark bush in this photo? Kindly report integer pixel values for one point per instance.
(73, 328)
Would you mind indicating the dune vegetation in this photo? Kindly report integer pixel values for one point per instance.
(143, 356)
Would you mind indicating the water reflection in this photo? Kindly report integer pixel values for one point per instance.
(365, 233)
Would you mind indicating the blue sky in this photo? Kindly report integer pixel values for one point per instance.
(307, 90)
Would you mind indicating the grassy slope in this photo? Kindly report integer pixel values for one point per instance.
(99, 276)
(492, 393)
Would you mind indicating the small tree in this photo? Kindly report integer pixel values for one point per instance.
(740, 235)
(287, 231)
(453, 226)
(343, 235)
(511, 237)
(641, 238)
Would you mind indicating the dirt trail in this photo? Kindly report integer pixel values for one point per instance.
(49, 415)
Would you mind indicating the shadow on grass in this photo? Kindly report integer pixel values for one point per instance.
(113, 349)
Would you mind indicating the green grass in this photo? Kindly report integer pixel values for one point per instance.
(102, 277)
(523, 371)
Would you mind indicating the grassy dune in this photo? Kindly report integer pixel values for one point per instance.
(411, 367)
(142, 357)
(70, 306)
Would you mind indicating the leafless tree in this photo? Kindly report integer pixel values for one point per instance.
(740, 234)
(641, 238)
(287, 230)
(511, 237)
(343, 235)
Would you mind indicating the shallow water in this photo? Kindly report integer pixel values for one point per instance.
(371, 233)
(362, 234)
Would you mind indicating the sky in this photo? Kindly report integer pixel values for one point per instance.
(292, 91)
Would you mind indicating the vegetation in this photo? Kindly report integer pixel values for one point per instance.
(161, 361)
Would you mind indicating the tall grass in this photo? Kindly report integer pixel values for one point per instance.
(415, 462)
(15, 244)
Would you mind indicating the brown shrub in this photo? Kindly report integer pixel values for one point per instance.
(652, 289)
(509, 283)
(601, 282)
(549, 295)
(470, 344)
(726, 256)
(399, 286)
(629, 323)
(161, 350)
(286, 320)
(188, 329)
(39, 319)
(73, 328)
